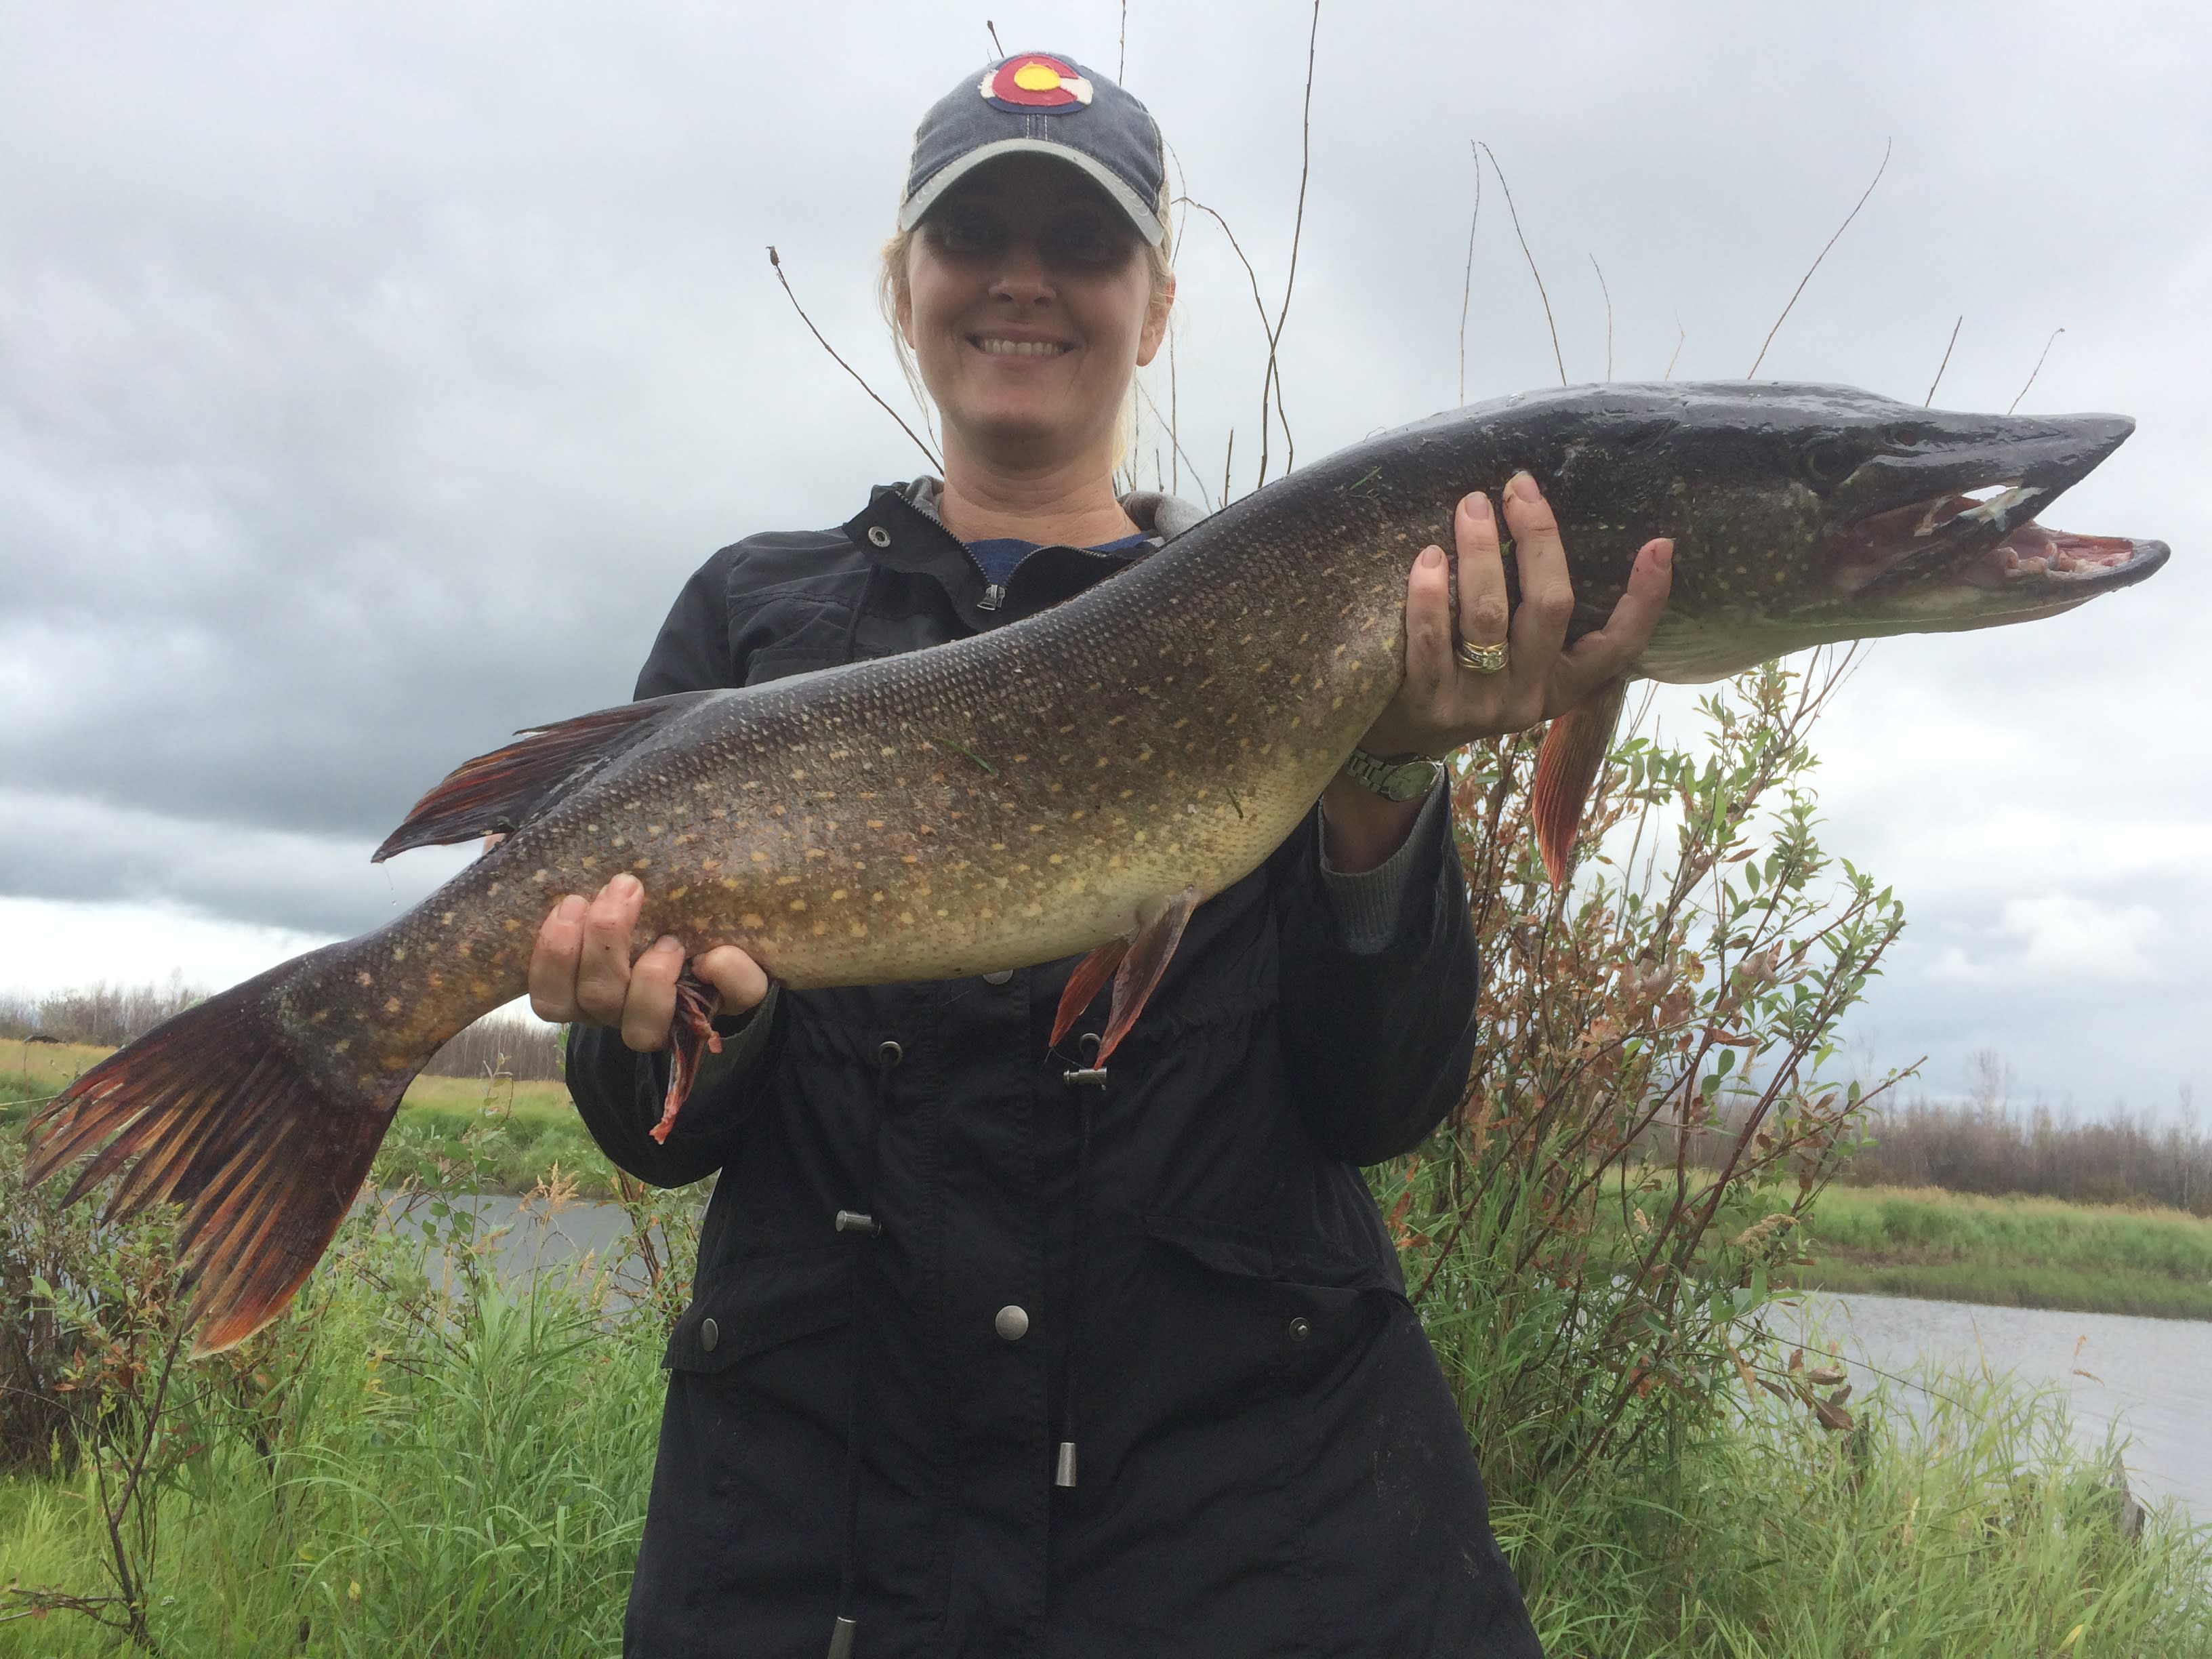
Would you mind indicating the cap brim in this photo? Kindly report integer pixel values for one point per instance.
(1140, 214)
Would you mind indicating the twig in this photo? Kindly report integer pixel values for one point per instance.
(1607, 292)
(1467, 282)
(1945, 364)
(1228, 460)
(775, 260)
(1181, 456)
(994, 28)
(1823, 254)
(1121, 58)
(2036, 370)
(1273, 379)
(1560, 361)
(1681, 335)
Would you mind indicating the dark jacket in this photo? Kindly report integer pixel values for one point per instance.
(1179, 1271)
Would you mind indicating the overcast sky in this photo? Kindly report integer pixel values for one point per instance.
(371, 376)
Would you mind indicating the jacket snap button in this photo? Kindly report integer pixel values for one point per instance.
(1300, 1330)
(879, 535)
(710, 1334)
(1013, 1323)
(999, 978)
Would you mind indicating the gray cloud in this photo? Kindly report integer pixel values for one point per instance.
(370, 380)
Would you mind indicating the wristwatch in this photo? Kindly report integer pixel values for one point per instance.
(1393, 777)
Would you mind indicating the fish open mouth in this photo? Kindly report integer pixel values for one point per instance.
(1973, 542)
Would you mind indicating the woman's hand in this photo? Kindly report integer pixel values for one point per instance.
(1443, 704)
(580, 971)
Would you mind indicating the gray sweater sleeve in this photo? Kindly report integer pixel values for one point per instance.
(1367, 904)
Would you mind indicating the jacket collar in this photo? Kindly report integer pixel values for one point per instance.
(899, 530)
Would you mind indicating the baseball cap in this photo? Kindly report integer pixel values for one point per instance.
(1043, 104)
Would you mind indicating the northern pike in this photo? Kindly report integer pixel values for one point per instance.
(1075, 781)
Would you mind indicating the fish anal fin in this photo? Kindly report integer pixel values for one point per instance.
(690, 1034)
(504, 789)
(1142, 966)
(1567, 768)
(1084, 984)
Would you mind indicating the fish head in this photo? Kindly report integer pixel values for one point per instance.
(1808, 514)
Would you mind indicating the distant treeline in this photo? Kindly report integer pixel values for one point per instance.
(1982, 1146)
(511, 1045)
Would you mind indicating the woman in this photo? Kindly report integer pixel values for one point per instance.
(992, 1354)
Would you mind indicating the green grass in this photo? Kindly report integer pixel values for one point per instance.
(473, 1483)
(2020, 1252)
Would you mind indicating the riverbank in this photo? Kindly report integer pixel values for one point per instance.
(454, 1132)
(460, 1133)
(2011, 1252)
(463, 1471)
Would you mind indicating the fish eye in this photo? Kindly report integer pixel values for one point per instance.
(1828, 462)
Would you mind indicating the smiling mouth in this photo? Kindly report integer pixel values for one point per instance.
(993, 346)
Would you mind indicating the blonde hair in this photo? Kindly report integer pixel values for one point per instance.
(890, 289)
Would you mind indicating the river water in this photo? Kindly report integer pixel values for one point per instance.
(2150, 1378)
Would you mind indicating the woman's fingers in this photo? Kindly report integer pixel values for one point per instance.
(1483, 610)
(741, 981)
(1547, 594)
(603, 970)
(1429, 664)
(553, 961)
(650, 1005)
(1598, 656)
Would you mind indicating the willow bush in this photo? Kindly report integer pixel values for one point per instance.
(1592, 1286)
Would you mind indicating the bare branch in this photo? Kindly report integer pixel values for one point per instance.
(1560, 361)
(776, 261)
(1228, 460)
(1945, 364)
(1681, 335)
(1181, 456)
(1607, 292)
(2036, 370)
(1289, 280)
(1823, 254)
(1467, 282)
(1121, 58)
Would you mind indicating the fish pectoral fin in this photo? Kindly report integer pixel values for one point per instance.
(1084, 984)
(1567, 768)
(691, 1033)
(504, 789)
(1143, 965)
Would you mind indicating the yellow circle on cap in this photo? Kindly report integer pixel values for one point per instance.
(1037, 77)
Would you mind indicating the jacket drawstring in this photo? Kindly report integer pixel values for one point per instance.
(862, 1225)
(1086, 1079)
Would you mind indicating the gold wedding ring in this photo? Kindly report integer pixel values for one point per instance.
(1482, 659)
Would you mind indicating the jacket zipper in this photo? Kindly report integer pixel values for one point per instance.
(994, 595)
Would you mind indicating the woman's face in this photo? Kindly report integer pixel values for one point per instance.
(1028, 303)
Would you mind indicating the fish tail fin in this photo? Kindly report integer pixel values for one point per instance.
(252, 1120)
(504, 789)
(1566, 766)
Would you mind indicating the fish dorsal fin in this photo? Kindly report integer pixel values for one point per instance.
(506, 788)
(1145, 961)
(1084, 985)
(1566, 766)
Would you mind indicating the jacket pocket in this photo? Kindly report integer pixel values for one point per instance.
(761, 1303)
(783, 663)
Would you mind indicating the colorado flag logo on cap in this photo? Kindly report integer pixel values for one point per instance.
(1034, 81)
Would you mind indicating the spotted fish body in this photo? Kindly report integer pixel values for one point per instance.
(1049, 787)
